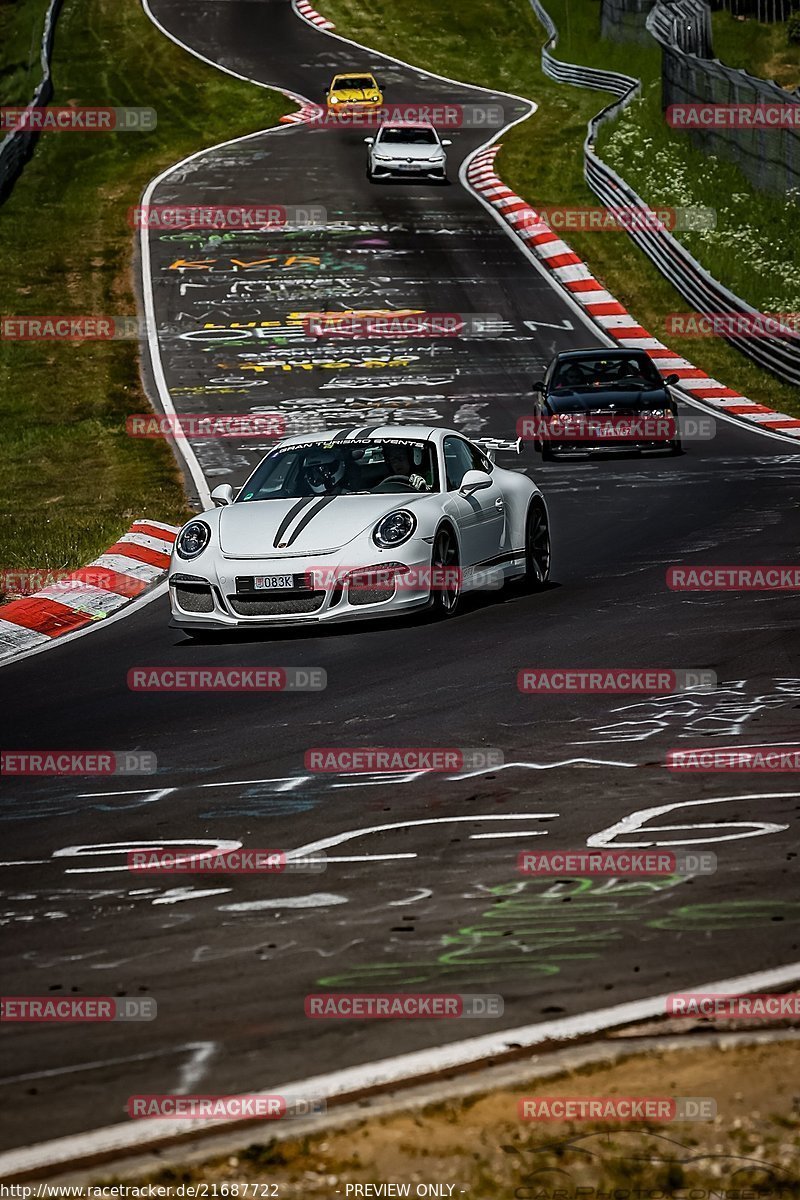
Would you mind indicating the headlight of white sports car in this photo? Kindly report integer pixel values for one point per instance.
(192, 539)
(394, 529)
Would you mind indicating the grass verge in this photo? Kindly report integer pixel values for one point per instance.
(763, 50)
(70, 477)
(498, 46)
(478, 1146)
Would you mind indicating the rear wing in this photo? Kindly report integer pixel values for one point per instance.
(492, 445)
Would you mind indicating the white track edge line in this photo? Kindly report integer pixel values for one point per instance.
(404, 1069)
(181, 444)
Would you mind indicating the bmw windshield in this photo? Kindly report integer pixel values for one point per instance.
(356, 468)
(606, 371)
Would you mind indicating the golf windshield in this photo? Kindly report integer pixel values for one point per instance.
(354, 83)
(408, 137)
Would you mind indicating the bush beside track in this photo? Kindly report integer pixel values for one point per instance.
(541, 159)
(71, 480)
(763, 50)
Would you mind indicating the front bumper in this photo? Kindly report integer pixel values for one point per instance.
(354, 106)
(408, 170)
(225, 598)
(606, 445)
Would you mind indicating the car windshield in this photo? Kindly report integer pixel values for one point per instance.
(409, 137)
(605, 371)
(353, 81)
(355, 468)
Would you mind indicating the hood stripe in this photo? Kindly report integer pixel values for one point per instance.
(366, 432)
(342, 434)
(290, 516)
(309, 516)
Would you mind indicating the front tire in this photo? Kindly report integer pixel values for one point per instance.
(537, 547)
(444, 557)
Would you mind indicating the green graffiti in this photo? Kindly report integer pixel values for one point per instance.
(532, 927)
(727, 914)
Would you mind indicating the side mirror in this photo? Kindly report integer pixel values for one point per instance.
(370, 141)
(672, 380)
(537, 385)
(447, 142)
(222, 495)
(475, 481)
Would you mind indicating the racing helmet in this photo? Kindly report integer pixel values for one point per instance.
(324, 469)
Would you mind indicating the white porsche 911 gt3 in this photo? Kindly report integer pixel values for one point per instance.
(355, 523)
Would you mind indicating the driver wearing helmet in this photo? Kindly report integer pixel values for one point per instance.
(400, 462)
(324, 473)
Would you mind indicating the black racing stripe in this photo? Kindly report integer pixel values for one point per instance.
(290, 516)
(367, 432)
(499, 558)
(342, 434)
(312, 512)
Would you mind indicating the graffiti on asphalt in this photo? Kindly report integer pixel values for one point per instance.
(533, 929)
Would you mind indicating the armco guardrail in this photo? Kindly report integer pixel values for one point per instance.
(780, 355)
(17, 147)
(683, 26)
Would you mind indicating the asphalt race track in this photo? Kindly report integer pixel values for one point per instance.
(230, 959)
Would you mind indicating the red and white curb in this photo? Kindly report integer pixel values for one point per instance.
(573, 275)
(306, 112)
(305, 10)
(133, 565)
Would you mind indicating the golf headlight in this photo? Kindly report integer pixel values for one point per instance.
(192, 539)
(394, 529)
(334, 99)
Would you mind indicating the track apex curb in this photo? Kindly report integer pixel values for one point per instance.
(132, 566)
(310, 14)
(613, 318)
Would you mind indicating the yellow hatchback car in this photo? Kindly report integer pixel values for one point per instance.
(355, 89)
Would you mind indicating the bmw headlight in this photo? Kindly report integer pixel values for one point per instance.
(192, 539)
(394, 529)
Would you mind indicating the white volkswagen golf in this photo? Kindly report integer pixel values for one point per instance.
(358, 523)
(403, 150)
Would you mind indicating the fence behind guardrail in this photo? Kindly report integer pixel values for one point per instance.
(17, 146)
(780, 355)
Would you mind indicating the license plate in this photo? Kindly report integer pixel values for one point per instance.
(263, 583)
